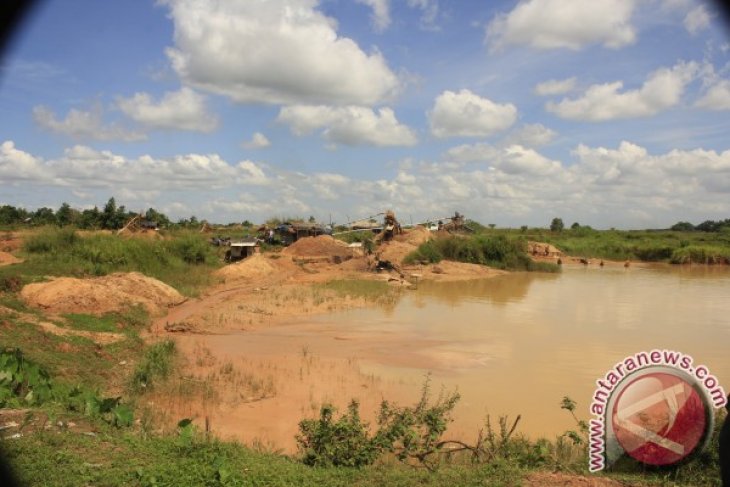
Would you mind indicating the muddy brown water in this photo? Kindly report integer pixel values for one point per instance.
(513, 344)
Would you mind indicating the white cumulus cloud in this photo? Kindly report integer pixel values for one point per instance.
(81, 124)
(662, 89)
(258, 141)
(350, 125)
(717, 96)
(469, 115)
(178, 110)
(555, 87)
(274, 51)
(570, 24)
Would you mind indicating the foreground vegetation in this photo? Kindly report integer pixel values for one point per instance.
(83, 420)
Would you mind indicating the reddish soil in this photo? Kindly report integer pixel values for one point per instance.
(7, 259)
(322, 246)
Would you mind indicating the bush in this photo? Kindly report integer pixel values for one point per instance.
(411, 433)
(493, 250)
(344, 442)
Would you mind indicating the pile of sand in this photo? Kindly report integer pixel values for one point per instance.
(542, 249)
(100, 295)
(252, 267)
(321, 246)
(7, 259)
(397, 249)
(414, 236)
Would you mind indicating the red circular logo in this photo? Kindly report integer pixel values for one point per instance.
(659, 418)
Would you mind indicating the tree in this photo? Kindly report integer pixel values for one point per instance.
(44, 216)
(492, 225)
(575, 226)
(157, 217)
(109, 214)
(10, 215)
(683, 227)
(557, 225)
(90, 218)
(66, 215)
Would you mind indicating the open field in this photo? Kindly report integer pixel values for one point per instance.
(105, 364)
(636, 245)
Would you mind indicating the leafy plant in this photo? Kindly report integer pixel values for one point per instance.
(22, 382)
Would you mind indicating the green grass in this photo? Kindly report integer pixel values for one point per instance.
(499, 251)
(649, 246)
(155, 365)
(185, 260)
(71, 359)
(69, 459)
(131, 320)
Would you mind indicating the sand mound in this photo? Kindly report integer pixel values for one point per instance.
(414, 236)
(7, 259)
(252, 267)
(99, 295)
(322, 246)
(543, 249)
(401, 245)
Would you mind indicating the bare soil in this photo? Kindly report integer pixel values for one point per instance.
(100, 295)
(7, 259)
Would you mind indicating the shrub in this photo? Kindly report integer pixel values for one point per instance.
(342, 442)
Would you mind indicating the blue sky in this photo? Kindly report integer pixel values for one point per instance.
(613, 113)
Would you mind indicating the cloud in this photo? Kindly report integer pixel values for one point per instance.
(276, 51)
(258, 141)
(380, 17)
(531, 135)
(178, 110)
(517, 159)
(555, 87)
(350, 125)
(569, 24)
(80, 124)
(469, 115)
(661, 90)
(17, 165)
(430, 11)
(697, 19)
(717, 96)
(620, 186)
(511, 159)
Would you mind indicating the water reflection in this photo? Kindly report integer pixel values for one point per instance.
(506, 341)
(510, 288)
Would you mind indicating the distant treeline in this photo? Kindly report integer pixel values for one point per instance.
(705, 226)
(111, 217)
